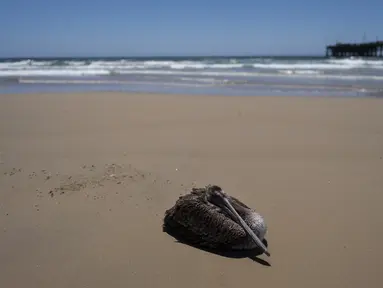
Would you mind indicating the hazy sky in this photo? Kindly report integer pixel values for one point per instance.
(176, 27)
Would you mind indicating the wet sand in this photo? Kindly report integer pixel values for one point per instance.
(85, 180)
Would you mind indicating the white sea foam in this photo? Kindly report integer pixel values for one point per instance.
(302, 72)
(251, 67)
(172, 83)
(70, 73)
(63, 72)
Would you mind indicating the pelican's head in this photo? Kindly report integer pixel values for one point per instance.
(216, 196)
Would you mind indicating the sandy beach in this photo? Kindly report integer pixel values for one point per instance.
(86, 178)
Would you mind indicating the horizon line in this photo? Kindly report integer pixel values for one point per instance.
(164, 56)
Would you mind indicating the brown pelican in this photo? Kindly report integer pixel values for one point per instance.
(210, 218)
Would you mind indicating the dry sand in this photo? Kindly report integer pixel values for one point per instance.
(85, 180)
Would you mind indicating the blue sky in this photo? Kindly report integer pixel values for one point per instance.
(175, 27)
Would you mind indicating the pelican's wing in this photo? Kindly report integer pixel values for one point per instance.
(202, 223)
(238, 202)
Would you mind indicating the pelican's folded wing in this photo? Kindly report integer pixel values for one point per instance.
(203, 224)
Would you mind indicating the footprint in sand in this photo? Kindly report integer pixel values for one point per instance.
(13, 171)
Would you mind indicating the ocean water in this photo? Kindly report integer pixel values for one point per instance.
(251, 76)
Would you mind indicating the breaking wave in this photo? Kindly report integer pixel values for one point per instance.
(320, 67)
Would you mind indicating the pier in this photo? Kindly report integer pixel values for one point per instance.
(368, 49)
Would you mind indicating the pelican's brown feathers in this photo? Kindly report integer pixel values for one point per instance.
(198, 221)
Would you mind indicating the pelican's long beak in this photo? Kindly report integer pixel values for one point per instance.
(246, 227)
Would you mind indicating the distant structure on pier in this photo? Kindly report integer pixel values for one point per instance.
(368, 49)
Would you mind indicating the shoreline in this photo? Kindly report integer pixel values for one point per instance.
(184, 90)
(248, 76)
(176, 95)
